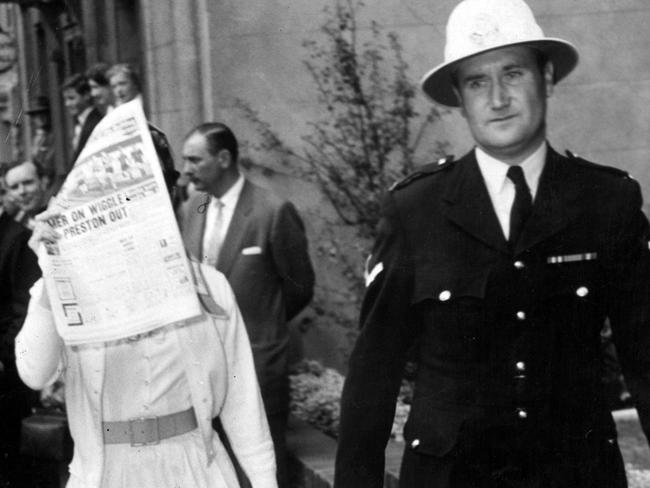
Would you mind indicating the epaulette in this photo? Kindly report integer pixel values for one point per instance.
(607, 169)
(425, 170)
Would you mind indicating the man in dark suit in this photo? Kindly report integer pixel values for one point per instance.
(79, 103)
(258, 241)
(27, 187)
(499, 270)
(100, 88)
(18, 272)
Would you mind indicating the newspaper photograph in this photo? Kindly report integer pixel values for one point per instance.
(119, 268)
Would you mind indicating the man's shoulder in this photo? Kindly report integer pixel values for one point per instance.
(264, 198)
(423, 174)
(11, 231)
(596, 169)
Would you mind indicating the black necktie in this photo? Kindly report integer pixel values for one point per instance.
(522, 205)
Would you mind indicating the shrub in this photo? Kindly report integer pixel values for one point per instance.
(316, 398)
(368, 136)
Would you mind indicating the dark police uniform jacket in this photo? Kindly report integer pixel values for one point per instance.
(507, 339)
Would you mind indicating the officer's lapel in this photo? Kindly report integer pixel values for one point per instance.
(555, 204)
(469, 206)
(232, 242)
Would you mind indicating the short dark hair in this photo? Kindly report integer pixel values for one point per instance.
(218, 136)
(127, 69)
(77, 82)
(97, 73)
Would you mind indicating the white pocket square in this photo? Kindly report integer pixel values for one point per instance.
(248, 251)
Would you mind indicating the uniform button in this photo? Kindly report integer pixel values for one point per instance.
(521, 315)
(521, 366)
(519, 265)
(444, 295)
(521, 413)
(583, 291)
(611, 441)
(415, 443)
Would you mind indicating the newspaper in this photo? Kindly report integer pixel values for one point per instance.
(119, 268)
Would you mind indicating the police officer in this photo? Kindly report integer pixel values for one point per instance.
(500, 269)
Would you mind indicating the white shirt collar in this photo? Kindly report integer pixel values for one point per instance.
(494, 171)
(230, 198)
(81, 118)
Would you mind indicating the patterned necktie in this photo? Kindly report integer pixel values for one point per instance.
(522, 205)
(211, 253)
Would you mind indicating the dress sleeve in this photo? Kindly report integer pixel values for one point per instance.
(243, 416)
(39, 348)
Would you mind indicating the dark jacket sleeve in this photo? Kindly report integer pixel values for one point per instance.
(22, 272)
(163, 151)
(291, 257)
(628, 266)
(377, 360)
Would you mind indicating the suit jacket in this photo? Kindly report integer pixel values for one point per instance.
(18, 272)
(506, 338)
(266, 261)
(89, 124)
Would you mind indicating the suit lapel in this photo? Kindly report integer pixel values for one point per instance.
(554, 206)
(469, 206)
(86, 129)
(194, 224)
(232, 242)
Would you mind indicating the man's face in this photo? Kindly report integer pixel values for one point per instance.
(124, 90)
(203, 169)
(102, 95)
(503, 98)
(25, 187)
(75, 102)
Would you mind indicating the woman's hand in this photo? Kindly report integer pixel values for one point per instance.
(43, 231)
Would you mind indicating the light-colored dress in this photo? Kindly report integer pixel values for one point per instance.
(205, 364)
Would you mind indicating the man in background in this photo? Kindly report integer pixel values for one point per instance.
(42, 149)
(18, 272)
(78, 102)
(258, 241)
(27, 187)
(100, 88)
(125, 83)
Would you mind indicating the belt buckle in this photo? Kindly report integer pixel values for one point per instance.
(142, 429)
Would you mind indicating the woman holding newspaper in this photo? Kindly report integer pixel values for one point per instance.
(140, 408)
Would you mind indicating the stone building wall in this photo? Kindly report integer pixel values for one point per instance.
(203, 56)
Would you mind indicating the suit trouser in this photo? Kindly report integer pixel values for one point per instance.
(503, 461)
(278, 427)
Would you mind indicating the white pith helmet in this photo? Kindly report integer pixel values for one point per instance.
(478, 26)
